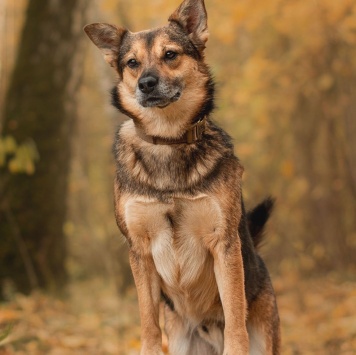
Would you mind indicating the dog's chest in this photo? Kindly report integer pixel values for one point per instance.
(177, 234)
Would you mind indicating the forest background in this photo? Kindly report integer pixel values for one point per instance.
(286, 84)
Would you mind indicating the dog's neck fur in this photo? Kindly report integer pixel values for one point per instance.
(134, 157)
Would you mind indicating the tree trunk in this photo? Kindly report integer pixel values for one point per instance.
(40, 105)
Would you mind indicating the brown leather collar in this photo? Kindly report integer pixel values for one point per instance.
(192, 135)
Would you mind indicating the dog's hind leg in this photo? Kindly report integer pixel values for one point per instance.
(263, 323)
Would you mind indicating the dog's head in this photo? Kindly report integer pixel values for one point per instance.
(164, 84)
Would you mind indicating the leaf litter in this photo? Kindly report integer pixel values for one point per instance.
(318, 316)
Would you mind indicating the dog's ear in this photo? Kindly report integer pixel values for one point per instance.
(192, 16)
(107, 38)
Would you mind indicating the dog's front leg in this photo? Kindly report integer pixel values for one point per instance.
(149, 293)
(229, 272)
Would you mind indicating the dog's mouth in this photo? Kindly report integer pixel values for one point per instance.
(159, 101)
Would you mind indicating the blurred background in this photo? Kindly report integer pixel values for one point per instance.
(286, 91)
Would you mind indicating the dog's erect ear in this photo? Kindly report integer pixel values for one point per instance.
(107, 38)
(192, 16)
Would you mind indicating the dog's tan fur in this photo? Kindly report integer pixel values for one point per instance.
(180, 205)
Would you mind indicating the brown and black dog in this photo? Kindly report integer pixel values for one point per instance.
(178, 196)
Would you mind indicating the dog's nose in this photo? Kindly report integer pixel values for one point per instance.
(147, 84)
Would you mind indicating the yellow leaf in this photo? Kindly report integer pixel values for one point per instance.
(9, 144)
(287, 168)
(135, 344)
(14, 166)
(7, 315)
(30, 167)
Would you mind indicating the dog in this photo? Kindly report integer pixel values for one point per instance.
(178, 198)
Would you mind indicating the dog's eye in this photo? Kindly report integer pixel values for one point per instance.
(132, 63)
(170, 55)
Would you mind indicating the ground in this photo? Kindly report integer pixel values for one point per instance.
(318, 316)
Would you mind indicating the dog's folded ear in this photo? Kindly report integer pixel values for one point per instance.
(107, 38)
(192, 17)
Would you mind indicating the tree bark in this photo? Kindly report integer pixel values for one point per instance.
(41, 105)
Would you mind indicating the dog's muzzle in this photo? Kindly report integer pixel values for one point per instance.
(151, 92)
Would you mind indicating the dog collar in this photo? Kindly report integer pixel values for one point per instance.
(192, 135)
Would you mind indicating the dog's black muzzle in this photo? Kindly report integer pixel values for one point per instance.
(153, 92)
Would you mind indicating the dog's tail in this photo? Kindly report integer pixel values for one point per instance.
(257, 218)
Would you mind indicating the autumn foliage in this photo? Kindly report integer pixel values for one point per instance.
(286, 92)
(290, 102)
